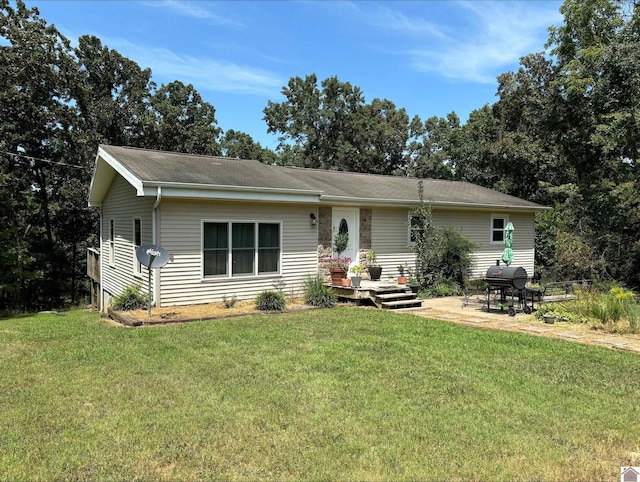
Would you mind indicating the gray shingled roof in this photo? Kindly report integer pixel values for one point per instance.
(158, 167)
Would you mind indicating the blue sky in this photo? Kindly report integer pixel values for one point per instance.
(430, 57)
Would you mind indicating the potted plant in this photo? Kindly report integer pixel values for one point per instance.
(338, 268)
(402, 279)
(374, 269)
(412, 281)
(356, 279)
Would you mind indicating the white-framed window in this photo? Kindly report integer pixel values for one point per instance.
(137, 242)
(415, 225)
(498, 223)
(247, 248)
(112, 242)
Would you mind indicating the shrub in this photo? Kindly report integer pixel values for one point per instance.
(316, 293)
(130, 299)
(443, 254)
(271, 301)
(229, 302)
(444, 287)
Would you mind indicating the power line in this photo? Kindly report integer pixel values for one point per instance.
(44, 160)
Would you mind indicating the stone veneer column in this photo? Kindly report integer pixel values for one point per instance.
(325, 249)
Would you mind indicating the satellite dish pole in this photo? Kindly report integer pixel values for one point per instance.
(151, 256)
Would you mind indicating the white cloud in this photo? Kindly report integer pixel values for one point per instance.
(395, 20)
(203, 72)
(487, 38)
(194, 10)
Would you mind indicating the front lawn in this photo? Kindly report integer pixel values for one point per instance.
(326, 394)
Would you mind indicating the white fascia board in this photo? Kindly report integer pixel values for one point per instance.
(230, 193)
(123, 171)
(351, 201)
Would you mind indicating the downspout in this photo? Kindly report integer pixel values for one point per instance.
(154, 234)
(101, 258)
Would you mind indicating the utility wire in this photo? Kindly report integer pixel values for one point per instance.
(45, 160)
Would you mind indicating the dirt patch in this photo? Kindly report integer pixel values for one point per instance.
(207, 311)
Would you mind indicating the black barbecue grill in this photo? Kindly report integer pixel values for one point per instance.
(507, 276)
(506, 285)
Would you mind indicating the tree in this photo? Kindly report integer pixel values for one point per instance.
(241, 145)
(182, 121)
(333, 127)
(37, 120)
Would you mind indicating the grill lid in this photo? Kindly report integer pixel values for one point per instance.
(513, 275)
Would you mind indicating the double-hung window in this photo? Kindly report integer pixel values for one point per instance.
(415, 227)
(240, 249)
(112, 242)
(137, 242)
(498, 223)
(215, 249)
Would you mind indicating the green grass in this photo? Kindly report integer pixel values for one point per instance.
(328, 394)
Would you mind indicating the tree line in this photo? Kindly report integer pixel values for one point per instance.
(564, 133)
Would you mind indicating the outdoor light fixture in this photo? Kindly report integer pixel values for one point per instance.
(312, 217)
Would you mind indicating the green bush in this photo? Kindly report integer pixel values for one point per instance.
(130, 299)
(444, 287)
(316, 293)
(443, 254)
(271, 301)
(596, 308)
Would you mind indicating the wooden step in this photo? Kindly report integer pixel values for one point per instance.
(390, 289)
(396, 305)
(391, 296)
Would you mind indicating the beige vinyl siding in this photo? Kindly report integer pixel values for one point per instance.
(476, 225)
(122, 205)
(389, 231)
(181, 235)
(389, 237)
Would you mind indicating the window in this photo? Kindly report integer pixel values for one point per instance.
(415, 225)
(268, 248)
(137, 242)
(243, 253)
(498, 222)
(215, 249)
(240, 249)
(112, 242)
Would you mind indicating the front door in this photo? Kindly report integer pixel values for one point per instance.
(346, 220)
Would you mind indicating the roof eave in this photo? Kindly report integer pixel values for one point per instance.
(98, 190)
(239, 193)
(410, 203)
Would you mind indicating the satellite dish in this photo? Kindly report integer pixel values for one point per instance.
(152, 256)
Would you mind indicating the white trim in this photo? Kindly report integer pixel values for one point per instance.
(229, 275)
(120, 169)
(224, 193)
(112, 243)
(101, 258)
(504, 216)
(367, 202)
(137, 267)
(155, 239)
(409, 217)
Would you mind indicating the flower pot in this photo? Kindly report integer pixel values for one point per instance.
(375, 272)
(355, 281)
(414, 288)
(549, 319)
(337, 275)
(402, 280)
(345, 281)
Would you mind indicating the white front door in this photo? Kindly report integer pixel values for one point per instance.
(347, 220)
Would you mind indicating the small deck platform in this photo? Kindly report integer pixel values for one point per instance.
(384, 295)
